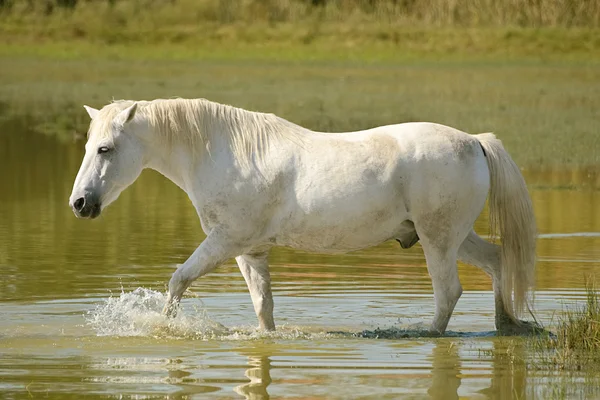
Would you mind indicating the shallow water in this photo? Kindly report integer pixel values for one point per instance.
(80, 301)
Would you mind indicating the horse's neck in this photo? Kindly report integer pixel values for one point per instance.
(176, 164)
(182, 164)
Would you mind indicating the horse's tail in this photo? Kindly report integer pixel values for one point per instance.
(511, 216)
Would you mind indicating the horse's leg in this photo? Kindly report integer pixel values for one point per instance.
(255, 268)
(211, 253)
(476, 251)
(447, 289)
(441, 234)
(485, 255)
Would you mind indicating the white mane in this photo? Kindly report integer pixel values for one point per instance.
(195, 120)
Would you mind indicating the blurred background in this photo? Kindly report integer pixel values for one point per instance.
(527, 70)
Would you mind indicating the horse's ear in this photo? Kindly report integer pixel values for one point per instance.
(92, 112)
(127, 114)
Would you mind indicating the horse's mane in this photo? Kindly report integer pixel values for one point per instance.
(195, 120)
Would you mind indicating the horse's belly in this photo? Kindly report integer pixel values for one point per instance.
(344, 203)
(343, 236)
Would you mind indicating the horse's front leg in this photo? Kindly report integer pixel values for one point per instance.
(255, 268)
(211, 253)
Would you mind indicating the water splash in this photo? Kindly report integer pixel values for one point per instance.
(139, 313)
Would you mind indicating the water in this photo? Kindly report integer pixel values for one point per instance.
(80, 301)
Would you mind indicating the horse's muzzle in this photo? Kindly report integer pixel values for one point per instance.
(86, 207)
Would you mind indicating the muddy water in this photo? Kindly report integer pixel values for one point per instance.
(80, 301)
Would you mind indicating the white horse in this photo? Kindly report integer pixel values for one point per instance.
(258, 181)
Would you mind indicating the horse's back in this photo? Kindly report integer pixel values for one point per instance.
(442, 160)
(422, 153)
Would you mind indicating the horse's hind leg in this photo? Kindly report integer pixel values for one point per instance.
(480, 253)
(441, 264)
(476, 251)
(255, 268)
(441, 234)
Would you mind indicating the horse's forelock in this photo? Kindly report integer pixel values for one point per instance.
(102, 125)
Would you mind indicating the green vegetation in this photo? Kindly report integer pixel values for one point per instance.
(180, 20)
(576, 346)
(332, 29)
(572, 354)
(526, 71)
(545, 113)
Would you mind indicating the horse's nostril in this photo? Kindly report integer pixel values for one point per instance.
(79, 204)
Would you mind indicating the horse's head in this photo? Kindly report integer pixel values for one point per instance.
(113, 160)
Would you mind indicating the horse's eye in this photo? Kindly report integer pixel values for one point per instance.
(103, 149)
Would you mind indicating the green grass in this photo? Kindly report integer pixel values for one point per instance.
(295, 29)
(572, 355)
(185, 18)
(527, 71)
(576, 346)
(545, 111)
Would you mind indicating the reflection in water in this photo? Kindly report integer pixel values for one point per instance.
(445, 370)
(509, 372)
(503, 367)
(259, 375)
(504, 364)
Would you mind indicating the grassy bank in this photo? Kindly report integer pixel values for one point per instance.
(523, 70)
(287, 43)
(181, 19)
(331, 29)
(545, 111)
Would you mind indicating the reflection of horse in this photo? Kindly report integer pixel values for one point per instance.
(508, 376)
(509, 373)
(259, 181)
(259, 374)
(445, 370)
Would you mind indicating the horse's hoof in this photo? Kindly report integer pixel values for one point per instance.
(170, 310)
